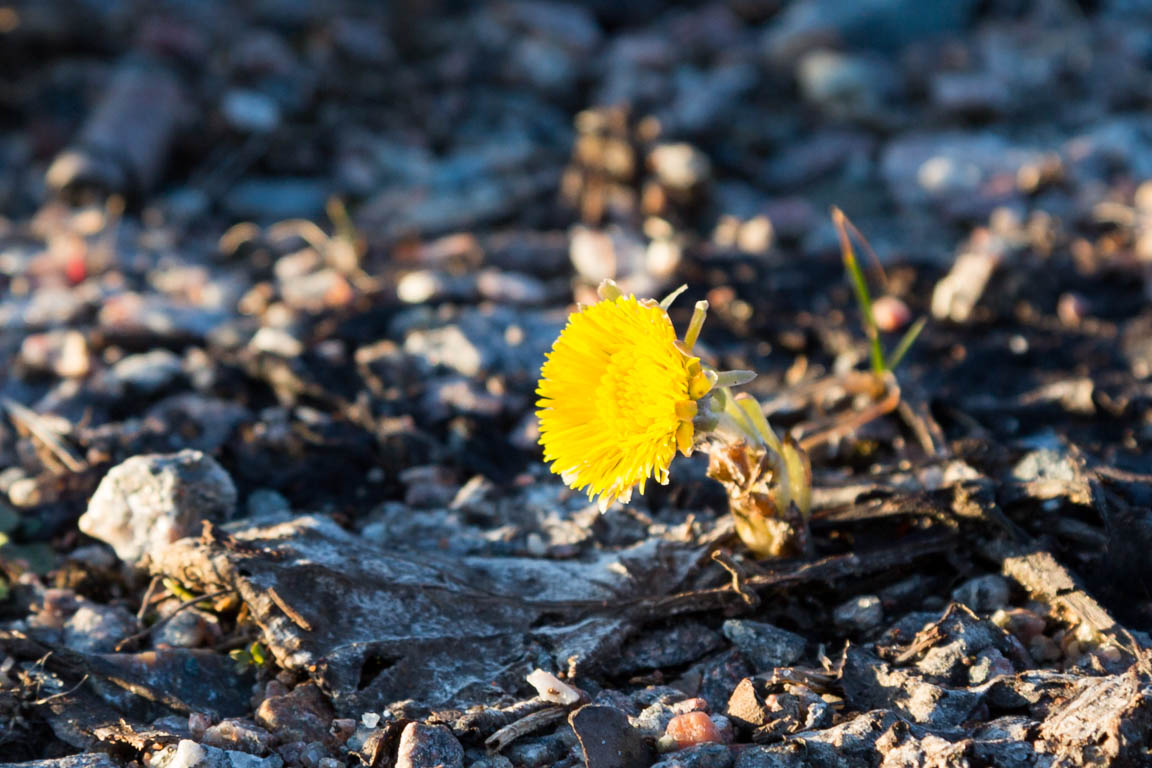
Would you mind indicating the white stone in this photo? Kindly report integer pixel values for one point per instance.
(149, 501)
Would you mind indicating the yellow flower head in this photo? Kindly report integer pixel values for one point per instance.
(617, 398)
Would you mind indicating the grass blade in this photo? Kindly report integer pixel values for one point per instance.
(860, 286)
(906, 342)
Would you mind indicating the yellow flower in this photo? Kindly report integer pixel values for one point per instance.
(617, 398)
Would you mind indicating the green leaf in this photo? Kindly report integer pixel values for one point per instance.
(860, 287)
(906, 342)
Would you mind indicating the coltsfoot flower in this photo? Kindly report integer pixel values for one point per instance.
(618, 395)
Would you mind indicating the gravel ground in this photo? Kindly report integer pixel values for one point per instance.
(276, 281)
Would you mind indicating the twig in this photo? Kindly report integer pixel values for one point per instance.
(62, 694)
(32, 421)
(792, 573)
(739, 577)
(186, 604)
(856, 420)
(524, 726)
(146, 599)
(289, 611)
(917, 423)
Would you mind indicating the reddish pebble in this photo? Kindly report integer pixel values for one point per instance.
(693, 728)
(76, 269)
(891, 313)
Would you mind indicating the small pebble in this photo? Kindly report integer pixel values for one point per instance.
(1071, 309)
(984, 593)
(891, 314)
(1044, 648)
(693, 728)
(552, 689)
(198, 722)
(428, 746)
(859, 614)
(1021, 622)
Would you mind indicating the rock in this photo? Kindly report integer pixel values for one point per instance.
(149, 501)
(699, 756)
(911, 750)
(551, 689)
(303, 711)
(429, 746)
(572, 24)
(276, 341)
(124, 144)
(538, 752)
(267, 503)
(189, 754)
(188, 629)
(849, 744)
(202, 423)
(652, 722)
(433, 285)
(859, 614)
(765, 646)
(544, 65)
(344, 595)
(968, 174)
(776, 756)
(844, 86)
(949, 646)
(96, 628)
(250, 111)
(1110, 719)
(317, 291)
(772, 713)
(984, 594)
(238, 735)
(605, 254)
(277, 198)
(147, 314)
(872, 684)
(148, 372)
(64, 353)
(960, 94)
(449, 347)
(1005, 742)
(511, 288)
(747, 706)
(719, 675)
(891, 313)
(89, 760)
(693, 728)
(608, 740)
(681, 643)
(681, 167)
(956, 295)
(882, 25)
(491, 761)
(989, 663)
(821, 154)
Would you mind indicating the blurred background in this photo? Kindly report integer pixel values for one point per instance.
(329, 242)
(327, 245)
